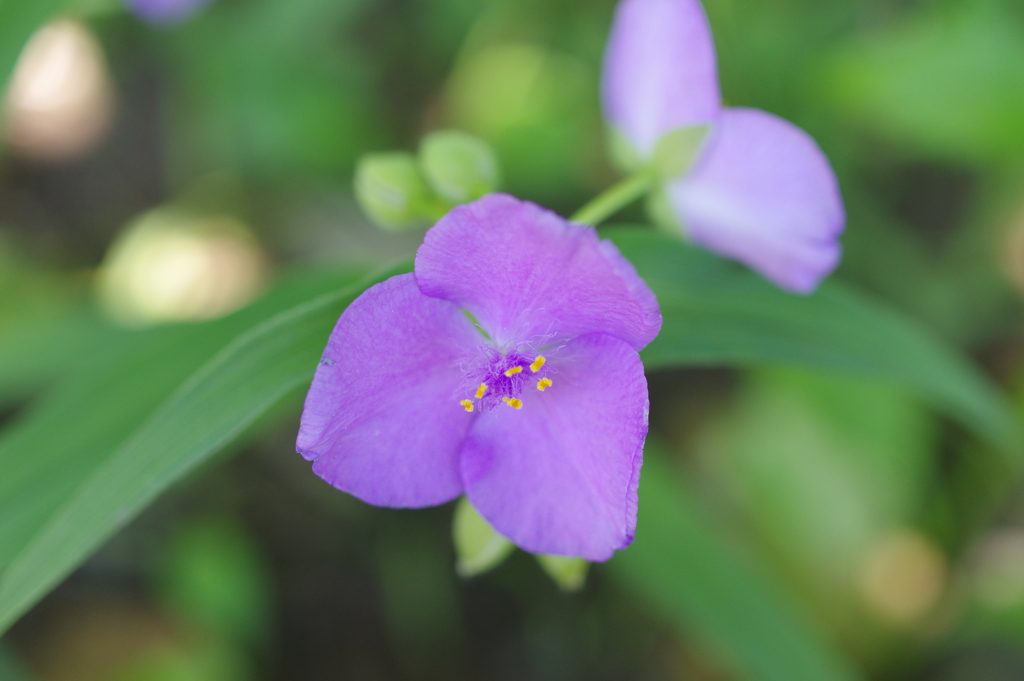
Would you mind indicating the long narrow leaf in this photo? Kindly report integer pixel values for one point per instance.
(97, 471)
(718, 313)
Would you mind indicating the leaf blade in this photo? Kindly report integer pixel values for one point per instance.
(717, 313)
(205, 412)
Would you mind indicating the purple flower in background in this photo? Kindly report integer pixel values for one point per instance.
(165, 12)
(759, 190)
(537, 411)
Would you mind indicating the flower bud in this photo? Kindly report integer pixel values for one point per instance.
(459, 167)
(570, 574)
(391, 190)
(478, 546)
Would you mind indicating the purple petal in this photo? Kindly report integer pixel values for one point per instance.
(763, 193)
(660, 72)
(165, 11)
(560, 475)
(382, 419)
(527, 274)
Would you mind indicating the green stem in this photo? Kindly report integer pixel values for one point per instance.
(614, 199)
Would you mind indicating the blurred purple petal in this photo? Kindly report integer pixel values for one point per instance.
(165, 11)
(763, 193)
(560, 474)
(660, 72)
(382, 419)
(530, 276)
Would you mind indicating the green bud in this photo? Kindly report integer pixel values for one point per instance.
(391, 190)
(677, 150)
(570, 574)
(459, 167)
(478, 546)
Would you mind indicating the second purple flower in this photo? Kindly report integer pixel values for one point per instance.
(759, 189)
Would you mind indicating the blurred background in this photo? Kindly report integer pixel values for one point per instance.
(164, 163)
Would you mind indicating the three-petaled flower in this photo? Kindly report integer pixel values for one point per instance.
(759, 190)
(506, 368)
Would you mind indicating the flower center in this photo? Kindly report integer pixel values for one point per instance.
(502, 377)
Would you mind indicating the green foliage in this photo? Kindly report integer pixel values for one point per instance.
(213, 577)
(827, 443)
(85, 460)
(266, 86)
(949, 80)
(18, 20)
(718, 313)
(827, 470)
(44, 322)
(684, 567)
(10, 669)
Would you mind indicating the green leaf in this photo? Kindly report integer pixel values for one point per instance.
(45, 322)
(719, 313)
(682, 566)
(19, 19)
(94, 453)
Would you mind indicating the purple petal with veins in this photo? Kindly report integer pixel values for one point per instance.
(371, 424)
(530, 276)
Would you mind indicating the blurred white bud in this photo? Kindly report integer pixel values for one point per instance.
(171, 265)
(903, 577)
(60, 98)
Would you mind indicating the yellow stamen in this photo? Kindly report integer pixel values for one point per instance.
(537, 364)
(481, 390)
(467, 404)
(543, 384)
(513, 371)
(512, 402)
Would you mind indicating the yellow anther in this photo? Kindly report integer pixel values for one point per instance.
(513, 371)
(481, 390)
(543, 384)
(538, 364)
(512, 402)
(467, 404)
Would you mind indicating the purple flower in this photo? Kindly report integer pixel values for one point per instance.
(505, 368)
(760, 190)
(165, 12)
